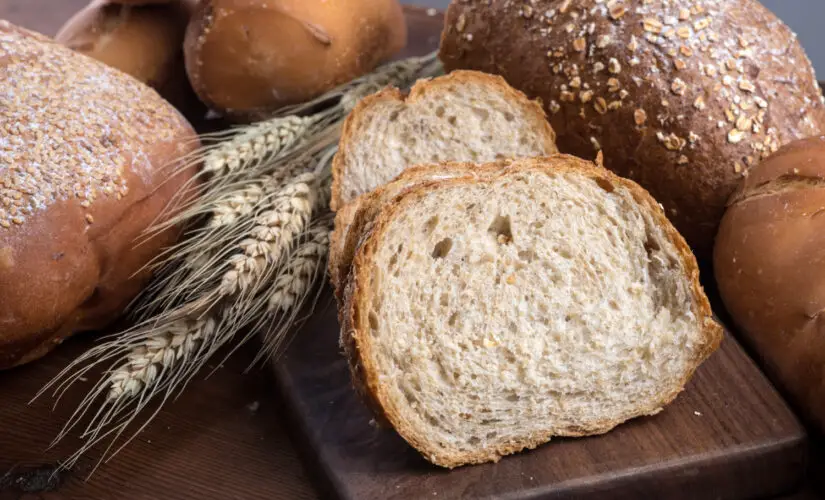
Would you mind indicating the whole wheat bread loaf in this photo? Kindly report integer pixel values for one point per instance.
(463, 116)
(546, 297)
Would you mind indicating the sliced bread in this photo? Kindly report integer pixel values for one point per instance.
(464, 116)
(351, 219)
(548, 297)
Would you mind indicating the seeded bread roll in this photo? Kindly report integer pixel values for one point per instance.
(683, 96)
(145, 42)
(769, 262)
(86, 161)
(249, 57)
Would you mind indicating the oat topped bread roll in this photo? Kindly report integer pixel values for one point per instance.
(683, 96)
(87, 155)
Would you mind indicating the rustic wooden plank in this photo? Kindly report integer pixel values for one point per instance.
(729, 435)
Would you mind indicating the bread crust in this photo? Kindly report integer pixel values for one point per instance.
(357, 118)
(247, 58)
(769, 263)
(702, 91)
(72, 262)
(145, 42)
(355, 324)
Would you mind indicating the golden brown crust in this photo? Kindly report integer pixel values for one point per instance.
(769, 263)
(68, 260)
(355, 121)
(358, 347)
(248, 58)
(144, 42)
(682, 96)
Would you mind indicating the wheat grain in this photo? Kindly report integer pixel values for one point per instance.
(174, 344)
(298, 275)
(274, 233)
(257, 142)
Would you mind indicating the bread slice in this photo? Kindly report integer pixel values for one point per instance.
(351, 219)
(463, 116)
(549, 298)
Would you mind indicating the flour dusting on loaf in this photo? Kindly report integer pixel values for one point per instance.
(46, 152)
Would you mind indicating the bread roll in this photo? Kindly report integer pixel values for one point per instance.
(544, 297)
(248, 57)
(145, 42)
(770, 266)
(683, 96)
(86, 161)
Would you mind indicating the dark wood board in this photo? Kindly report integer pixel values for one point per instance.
(729, 435)
(222, 439)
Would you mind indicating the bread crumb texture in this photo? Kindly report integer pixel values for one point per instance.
(493, 313)
(69, 126)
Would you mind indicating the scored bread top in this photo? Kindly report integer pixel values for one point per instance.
(683, 96)
(365, 281)
(463, 116)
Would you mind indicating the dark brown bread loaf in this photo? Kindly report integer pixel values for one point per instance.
(249, 57)
(85, 159)
(683, 96)
(769, 262)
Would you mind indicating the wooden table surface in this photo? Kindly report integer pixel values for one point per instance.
(224, 438)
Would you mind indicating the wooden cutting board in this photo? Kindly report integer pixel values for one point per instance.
(727, 436)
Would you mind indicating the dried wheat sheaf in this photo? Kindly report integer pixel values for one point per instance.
(254, 250)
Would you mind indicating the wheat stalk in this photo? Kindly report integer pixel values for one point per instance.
(255, 244)
(175, 344)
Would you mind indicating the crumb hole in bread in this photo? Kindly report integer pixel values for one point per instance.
(513, 398)
(492, 435)
(509, 116)
(473, 441)
(439, 111)
(481, 113)
(373, 320)
(651, 246)
(453, 319)
(523, 141)
(488, 421)
(435, 158)
(353, 194)
(500, 156)
(512, 327)
(501, 229)
(442, 248)
(431, 224)
(393, 260)
(394, 115)
(444, 300)
(452, 120)
(605, 184)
